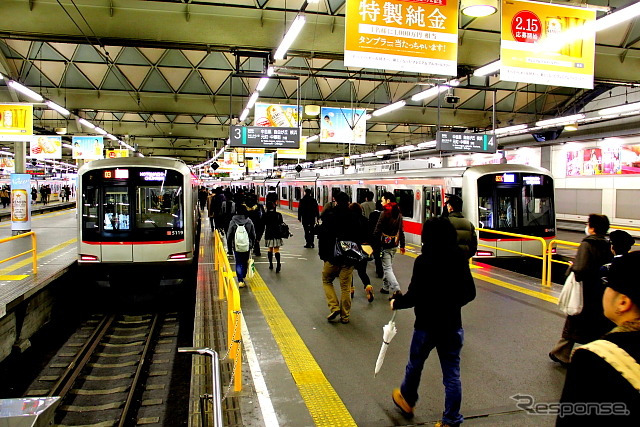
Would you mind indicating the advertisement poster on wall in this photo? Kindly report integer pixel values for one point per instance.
(294, 153)
(343, 125)
(46, 147)
(16, 119)
(87, 147)
(547, 44)
(417, 36)
(277, 115)
(604, 161)
(20, 201)
(261, 163)
(115, 153)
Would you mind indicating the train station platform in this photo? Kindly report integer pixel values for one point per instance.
(300, 370)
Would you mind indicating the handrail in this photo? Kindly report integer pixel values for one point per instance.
(524, 236)
(33, 250)
(227, 287)
(215, 381)
(550, 257)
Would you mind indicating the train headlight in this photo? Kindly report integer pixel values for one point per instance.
(179, 256)
(89, 258)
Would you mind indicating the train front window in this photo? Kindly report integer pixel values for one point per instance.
(116, 208)
(90, 200)
(537, 204)
(159, 207)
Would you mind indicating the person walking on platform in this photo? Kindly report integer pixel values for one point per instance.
(256, 212)
(361, 267)
(441, 284)
(594, 251)
(272, 238)
(34, 195)
(338, 224)
(210, 211)
(240, 239)
(368, 205)
(605, 373)
(389, 232)
(467, 238)
(227, 211)
(308, 214)
(202, 197)
(375, 244)
(4, 196)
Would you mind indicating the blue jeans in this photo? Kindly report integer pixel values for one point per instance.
(448, 345)
(242, 262)
(389, 281)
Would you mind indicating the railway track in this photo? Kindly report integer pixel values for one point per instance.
(114, 371)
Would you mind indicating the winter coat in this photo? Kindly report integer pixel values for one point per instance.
(367, 208)
(231, 233)
(338, 223)
(390, 226)
(467, 238)
(272, 221)
(308, 210)
(256, 214)
(592, 379)
(594, 251)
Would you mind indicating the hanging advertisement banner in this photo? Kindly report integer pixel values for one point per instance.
(413, 35)
(16, 119)
(20, 205)
(277, 115)
(87, 147)
(294, 153)
(343, 125)
(116, 153)
(547, 44)
(46, 147)
(261, 163)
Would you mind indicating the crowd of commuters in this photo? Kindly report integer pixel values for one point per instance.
(604, 369)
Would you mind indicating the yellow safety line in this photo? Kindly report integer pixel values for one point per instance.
(14, 276)
(41, 255)
(324, 404)
(536, 294)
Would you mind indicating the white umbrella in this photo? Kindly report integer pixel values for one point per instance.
(388, 332)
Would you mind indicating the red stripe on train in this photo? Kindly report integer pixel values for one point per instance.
(158, 242)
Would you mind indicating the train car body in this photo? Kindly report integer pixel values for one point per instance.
(511, 198)
(136, 216)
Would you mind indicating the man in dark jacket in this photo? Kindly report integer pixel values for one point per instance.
(594, 251)
(308, 214)
(467, 238)
(338, 224)
(601, 372)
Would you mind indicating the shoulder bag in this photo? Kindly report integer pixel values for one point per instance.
(348, 252)
(570, 300)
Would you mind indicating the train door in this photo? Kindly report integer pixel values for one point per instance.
(116, 221)
(349, 191)
(432, 197)
(325, 195)
(380, 190)
(297, 195)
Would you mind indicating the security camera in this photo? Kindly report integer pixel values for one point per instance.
(452, 99)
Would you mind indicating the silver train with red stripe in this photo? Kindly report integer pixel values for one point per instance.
(137, 217)
(507, 197)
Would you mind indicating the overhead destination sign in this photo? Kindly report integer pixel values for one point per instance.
(264, 137)
(465, 142)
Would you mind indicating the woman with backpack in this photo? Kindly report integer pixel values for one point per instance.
(240, 238)
(272, 237)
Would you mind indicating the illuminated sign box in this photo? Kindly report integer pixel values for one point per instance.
(465, 142)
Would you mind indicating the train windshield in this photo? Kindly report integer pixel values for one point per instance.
(135, 204)
(517, 202)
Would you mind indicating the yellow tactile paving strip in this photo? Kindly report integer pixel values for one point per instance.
(324, 404)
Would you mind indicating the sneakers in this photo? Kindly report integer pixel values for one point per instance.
(443, 424)
(369, 291)
(242, 285)
(384, 291)
(398, 399)
(334, 314)
(344, 320)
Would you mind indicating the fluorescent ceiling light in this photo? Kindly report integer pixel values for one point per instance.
(626, 108)
(382, 152)
(290, 37)
(429, 93)
(111, 137)
(87, 123)
(356, 156)
(313, 138)
(508, 129)
(485, 70)
(367, 155)
(389, 108)
(427, 144)
(253, 99)
(25, 91)
(262, 83)
(405, 148)
(571, 127)
(478, 8)
(244, 114)
(317, 162)
(560, 120)
(618, 17)
(57, 108)
(100, 131)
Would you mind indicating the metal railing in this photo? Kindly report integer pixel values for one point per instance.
(34, 255)
(227, 288)
(550, 255)
(542, 241)
(215, 396)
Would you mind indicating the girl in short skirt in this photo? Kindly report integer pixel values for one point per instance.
(273, 241)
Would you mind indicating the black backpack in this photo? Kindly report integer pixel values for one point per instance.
(283, 231)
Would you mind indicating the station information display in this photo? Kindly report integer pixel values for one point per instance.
(465, 142)
(264, 137)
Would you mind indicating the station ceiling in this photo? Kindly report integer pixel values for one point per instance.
(161, 73)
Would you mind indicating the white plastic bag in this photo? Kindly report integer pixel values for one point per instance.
(570, 300)
(251, 269)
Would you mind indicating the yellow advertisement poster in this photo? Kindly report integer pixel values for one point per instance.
(413, 35)
(250, 152)
(115, 153)
(16, 119)
(547, 44)
(294, 153)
